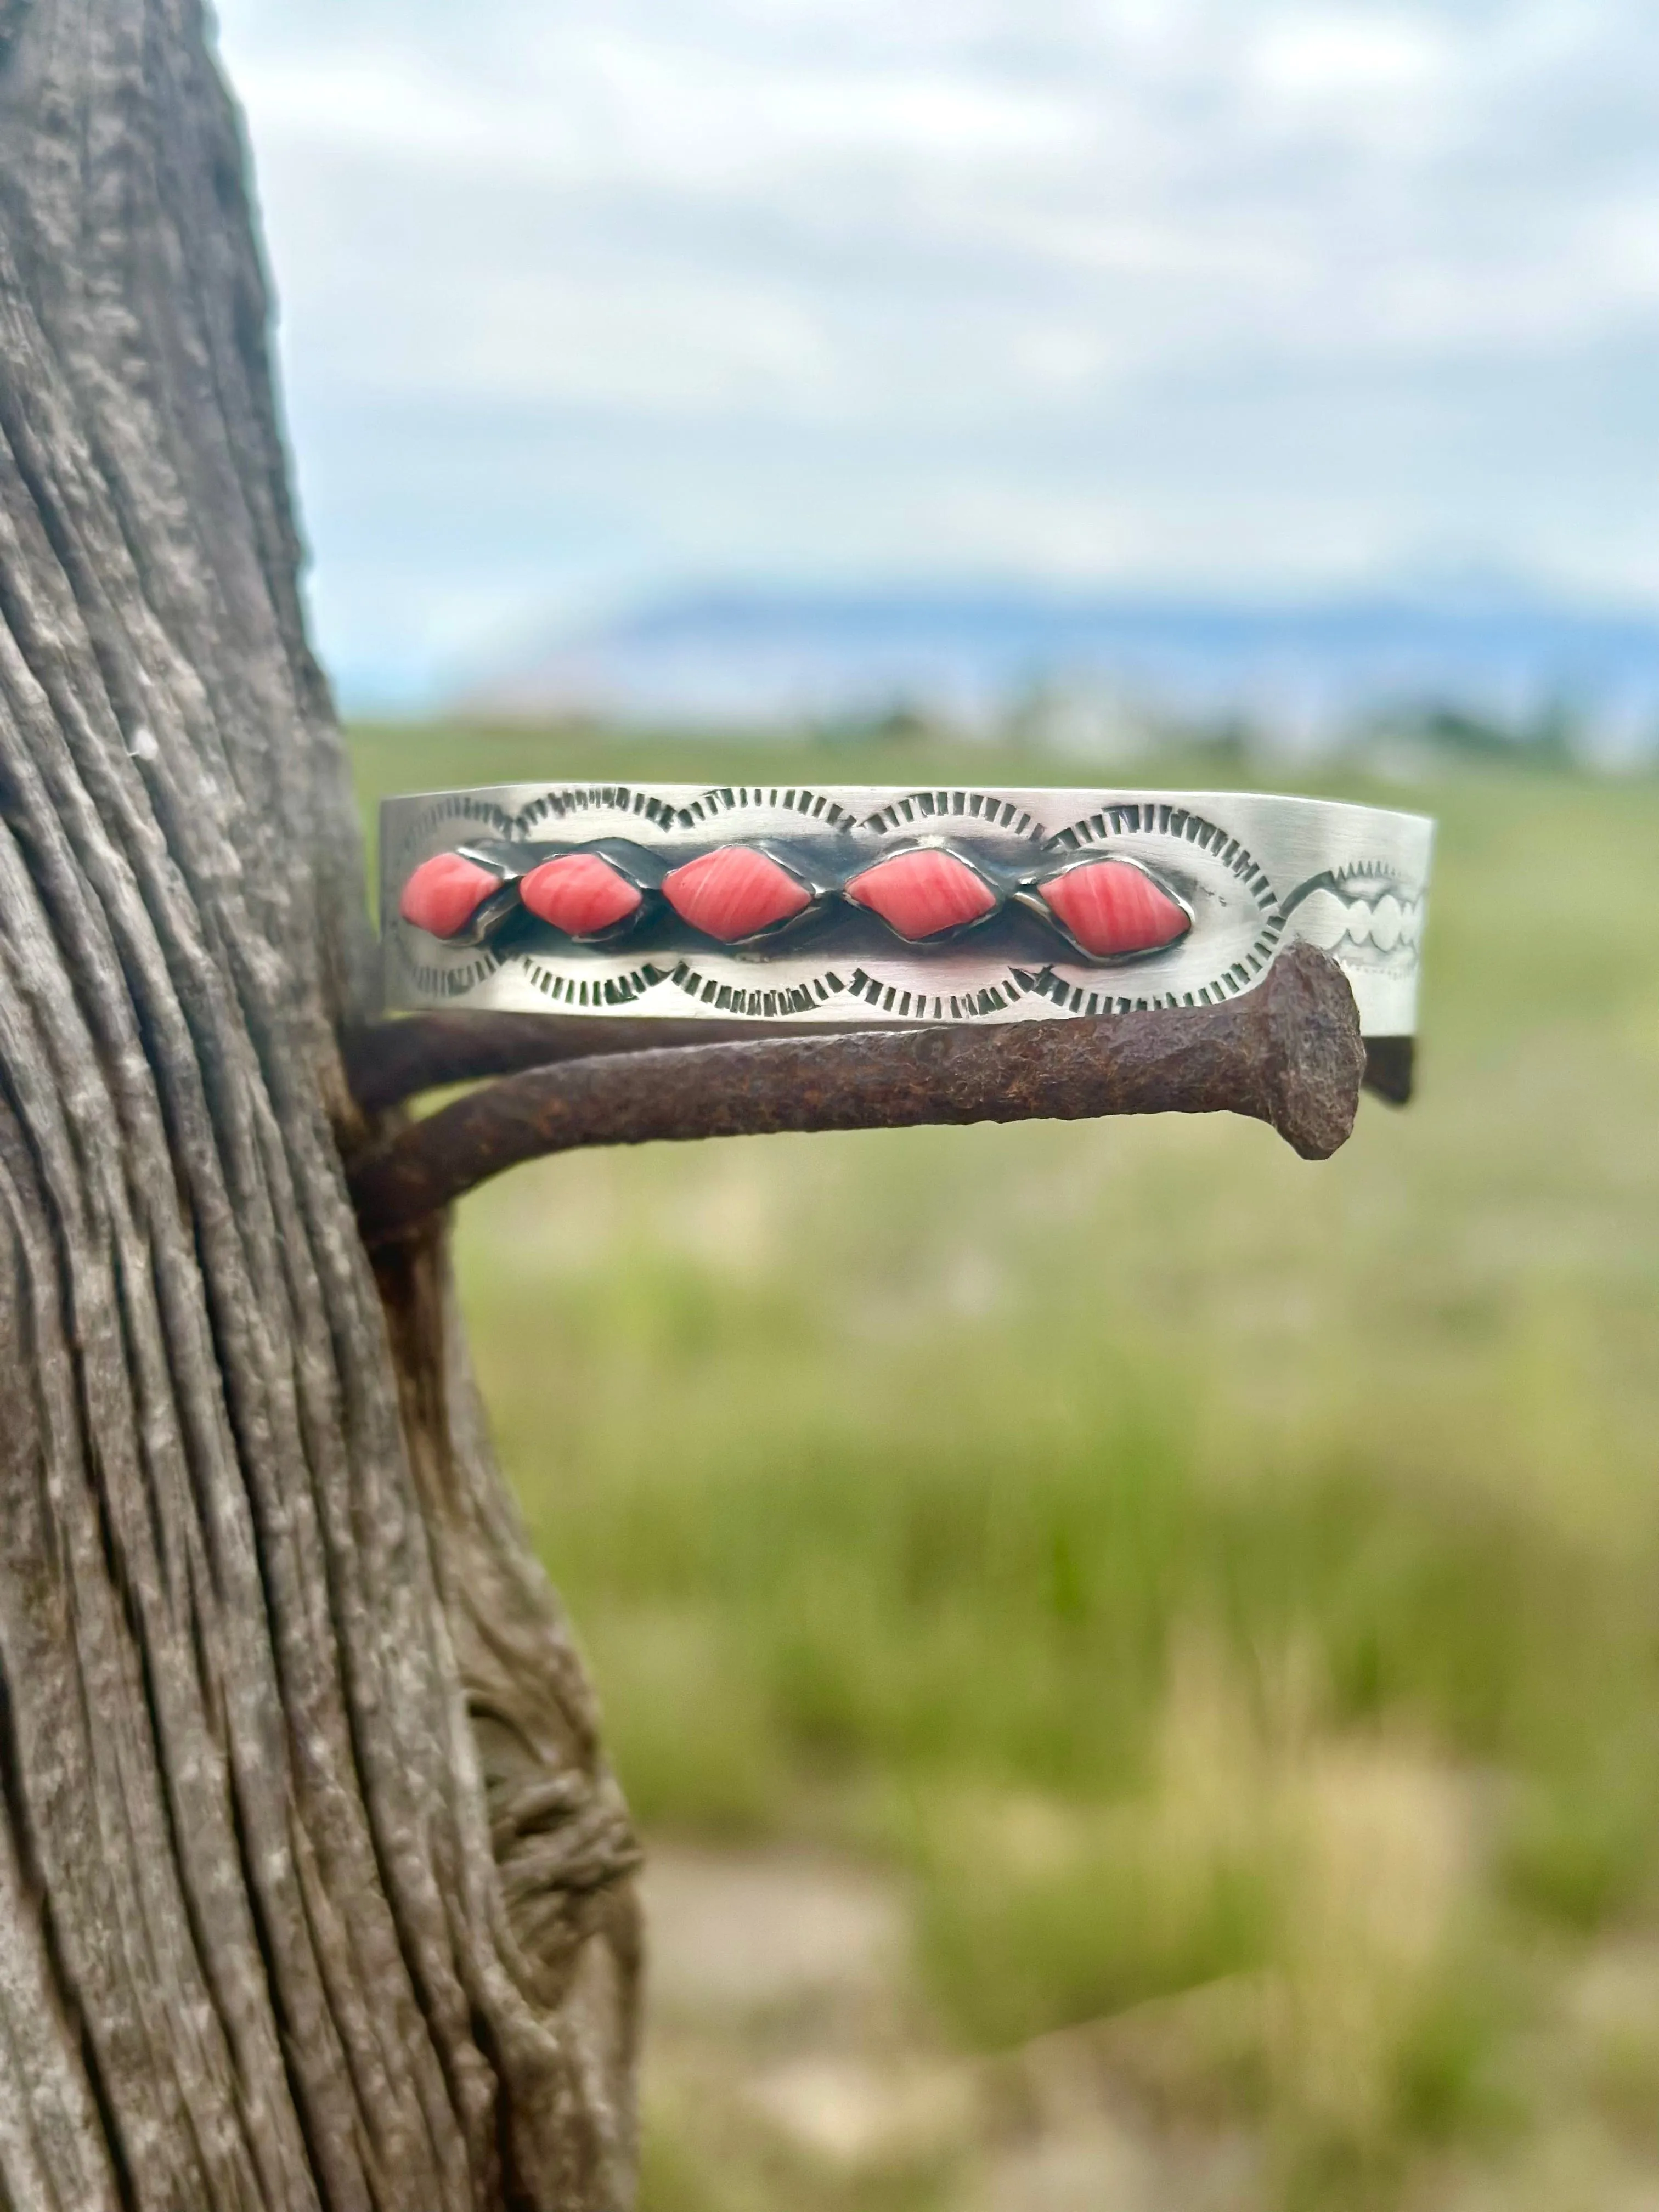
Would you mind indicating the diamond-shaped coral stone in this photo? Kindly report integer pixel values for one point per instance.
(1112, 908)
(923, 894)
(445, 892)
(735, 893)
(581, 894)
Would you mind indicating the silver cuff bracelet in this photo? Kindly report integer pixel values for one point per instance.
(865, 905)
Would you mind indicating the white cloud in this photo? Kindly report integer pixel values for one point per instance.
(1342, 279)
(1345, 54)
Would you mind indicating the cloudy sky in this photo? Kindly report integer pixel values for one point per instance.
(586, 298)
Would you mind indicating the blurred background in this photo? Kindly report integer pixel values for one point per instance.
(1138, 1659)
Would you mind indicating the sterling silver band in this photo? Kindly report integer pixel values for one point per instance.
(797, 904)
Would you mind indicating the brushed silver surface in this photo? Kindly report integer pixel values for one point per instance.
(1257, 873)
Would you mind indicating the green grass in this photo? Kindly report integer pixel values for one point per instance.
(1187, 1562)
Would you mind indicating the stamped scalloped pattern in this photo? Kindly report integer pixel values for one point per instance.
(1359, 911)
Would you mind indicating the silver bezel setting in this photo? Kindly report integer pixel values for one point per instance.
(1251, 872)
(1030, 895)
(953, 931)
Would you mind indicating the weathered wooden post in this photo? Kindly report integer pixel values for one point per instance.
(312, 1884)
(314, 1889)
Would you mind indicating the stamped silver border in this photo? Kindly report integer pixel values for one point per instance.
(1253, 873)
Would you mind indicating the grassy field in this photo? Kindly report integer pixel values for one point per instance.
(1196, 1571)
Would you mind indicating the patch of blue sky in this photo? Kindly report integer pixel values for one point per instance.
(1215, 295)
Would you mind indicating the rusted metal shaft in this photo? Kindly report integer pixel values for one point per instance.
(389, 1062)
(1288, 1054)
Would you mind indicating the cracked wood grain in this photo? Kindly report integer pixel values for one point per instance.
(313, 1883)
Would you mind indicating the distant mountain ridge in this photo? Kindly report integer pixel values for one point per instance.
(1312, 672)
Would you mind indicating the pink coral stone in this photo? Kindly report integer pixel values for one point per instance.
(923, 894)
(735, 893)
(581, 894)
(1110, 907)
(445, 892)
